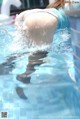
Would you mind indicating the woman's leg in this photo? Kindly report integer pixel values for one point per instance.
(36, 59)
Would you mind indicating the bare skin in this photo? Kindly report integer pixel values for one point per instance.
(41, 27)
(39, 24)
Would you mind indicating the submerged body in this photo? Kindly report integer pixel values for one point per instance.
(39, 26)
(49, 87)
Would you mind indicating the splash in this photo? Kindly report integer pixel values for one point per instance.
(5, 39)
(17, 41)
(60, 44)
(62, 41)
(22, 42)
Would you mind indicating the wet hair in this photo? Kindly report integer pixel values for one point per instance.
(57, 4)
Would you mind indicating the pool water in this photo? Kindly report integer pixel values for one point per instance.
(46, 91)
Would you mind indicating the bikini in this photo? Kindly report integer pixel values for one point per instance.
(63, 19)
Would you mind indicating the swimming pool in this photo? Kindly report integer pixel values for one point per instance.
(47, 91)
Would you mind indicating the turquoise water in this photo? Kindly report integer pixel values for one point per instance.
(47, 92)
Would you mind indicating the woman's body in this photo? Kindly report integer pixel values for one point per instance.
(39, 26)
(42, 29)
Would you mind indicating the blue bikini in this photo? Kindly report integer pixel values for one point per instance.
(63, 19)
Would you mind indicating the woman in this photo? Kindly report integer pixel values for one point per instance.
(39, 26)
